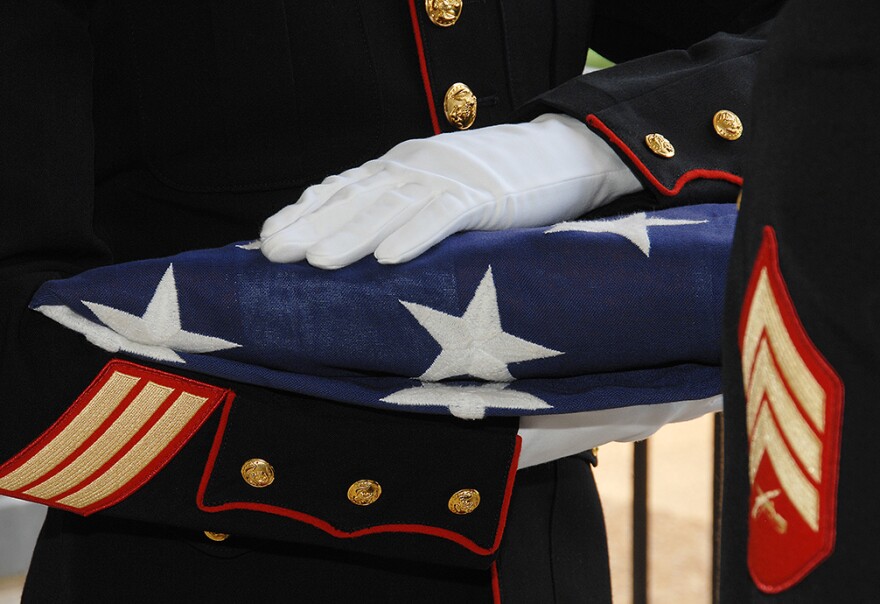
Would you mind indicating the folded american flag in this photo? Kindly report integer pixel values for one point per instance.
(580, 316)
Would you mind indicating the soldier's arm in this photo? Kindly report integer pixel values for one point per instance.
(678, 120)
(166, 447)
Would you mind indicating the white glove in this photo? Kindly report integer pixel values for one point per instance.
(420, 192)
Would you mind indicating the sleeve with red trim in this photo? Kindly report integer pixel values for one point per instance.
(127, 440)
(237, 459)
(660, 113)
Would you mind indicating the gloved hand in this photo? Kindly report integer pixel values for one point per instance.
(420, 192)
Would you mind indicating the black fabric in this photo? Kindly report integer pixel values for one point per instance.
(625, 31)
(566, 525)
(559, 555)
(110, 560)
(815, 184)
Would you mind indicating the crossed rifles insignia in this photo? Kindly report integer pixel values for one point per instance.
(794, 405)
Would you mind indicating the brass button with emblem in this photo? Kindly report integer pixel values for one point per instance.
(258, 473)
(460, 106)
(444, 13)
(659, 145)
(216, 536)
(364, 492)
(727, 125)
(464, 501)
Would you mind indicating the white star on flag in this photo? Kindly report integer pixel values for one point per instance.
(466, 402)
(157, 333)
(475, 344)
(634, 227)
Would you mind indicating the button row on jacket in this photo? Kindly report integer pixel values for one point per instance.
(367, 492)
(726, 124)
(459, 103)
(259, 473)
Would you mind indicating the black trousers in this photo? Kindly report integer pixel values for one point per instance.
(554, 550)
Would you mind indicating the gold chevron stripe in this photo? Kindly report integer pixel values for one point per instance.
(799, 490)
(764, 315)
(140, 455)
(767, 384)
(83, 425)
(776, 377)
(107, 445)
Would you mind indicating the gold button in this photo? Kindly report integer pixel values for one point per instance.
(216, 536)
(464, 501)
(443, 12)
(258, 473)
(727, 125)
(460, 106)
(659, 145)
(739, 199)
(364, 492)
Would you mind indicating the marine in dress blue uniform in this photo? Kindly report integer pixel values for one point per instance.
(135, 130)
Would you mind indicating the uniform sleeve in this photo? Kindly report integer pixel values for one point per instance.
(679, 118)
(92, 434)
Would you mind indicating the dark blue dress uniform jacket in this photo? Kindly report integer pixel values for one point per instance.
(795, 531)
(136, 129)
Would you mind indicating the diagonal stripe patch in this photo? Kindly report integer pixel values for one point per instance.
(126, 426)
(794, 413)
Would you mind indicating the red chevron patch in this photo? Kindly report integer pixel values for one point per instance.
(794, 410)
(120, 431)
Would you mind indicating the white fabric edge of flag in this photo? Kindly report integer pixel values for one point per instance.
(549, 437)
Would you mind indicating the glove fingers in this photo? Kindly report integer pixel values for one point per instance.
(291, 243)
(361, 235)
(316, 196)
(436, 221)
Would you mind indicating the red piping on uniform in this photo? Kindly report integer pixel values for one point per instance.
(685, 178)
(423, 65)
(328, 528)
(496, 587)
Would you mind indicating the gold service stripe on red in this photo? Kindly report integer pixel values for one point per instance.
(80, 428)
(140, 455)
(775, 375)
(764, 315)
(120, 433)
(767, 384)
